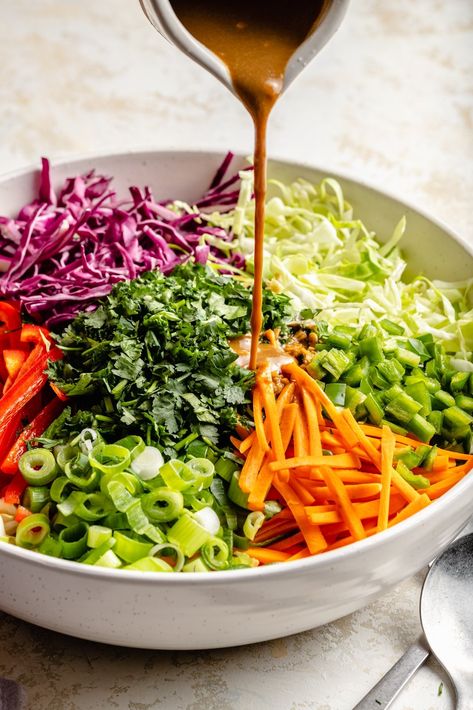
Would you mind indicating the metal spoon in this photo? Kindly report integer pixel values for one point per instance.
(446, 610)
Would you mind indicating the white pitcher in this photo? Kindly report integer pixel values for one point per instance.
(162, 16)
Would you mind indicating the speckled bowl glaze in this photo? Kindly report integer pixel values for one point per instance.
(198, 611)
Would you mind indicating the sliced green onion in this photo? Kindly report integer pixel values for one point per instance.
(109, 458)
(203, 471)
(74, 540)
(197, 565)
(38, 466)
(63, 454)
(235, 493)
(175, 550)
(133, 443)
(92, 507)
(271, 508)
(87, 439)
(177, 475)
(147, 463)
(197, 501)
(189, 534)
(215, 553)
(51, 546)
(61, 487)
(36, 497)
(162, 505)
(252, 524)
(209, 519)
(110, 560)
(140, 524)
(225, 467)
(115, 521)
(92, 557)
(97, 535)
(81, 474)
(32, 530)
(130, 549)
(150, 564)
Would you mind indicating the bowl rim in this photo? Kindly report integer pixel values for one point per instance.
(313, 563)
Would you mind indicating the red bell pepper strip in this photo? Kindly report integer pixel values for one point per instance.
(10, 318)
(25, 388)
(35, 334)
(39, 424)
(37, 352)
(9, 435)
(14, 360)
(14, 490)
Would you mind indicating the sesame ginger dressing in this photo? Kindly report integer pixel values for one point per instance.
(255, 39)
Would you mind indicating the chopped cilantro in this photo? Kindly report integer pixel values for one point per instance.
(440, 689)
(154, 356)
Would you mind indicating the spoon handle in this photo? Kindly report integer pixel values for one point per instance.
(387, 689)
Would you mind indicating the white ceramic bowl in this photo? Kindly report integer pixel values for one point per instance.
(197, 611)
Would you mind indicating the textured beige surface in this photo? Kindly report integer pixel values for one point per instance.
(391, 100)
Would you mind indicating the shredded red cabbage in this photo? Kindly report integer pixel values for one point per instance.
(65, 251)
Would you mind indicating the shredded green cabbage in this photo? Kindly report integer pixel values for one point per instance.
(327, 261)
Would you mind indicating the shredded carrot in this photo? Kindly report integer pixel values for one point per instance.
(259, 489)
(288, 542)
(258, 419)
(337, 461)
(288, 420)
(251, 467)
(300, 555)
(329, 500)
(354, 492)
(441, 487)
(314, 539)
(387, 453)
(315, 445)
(413, 507)
(266, 556)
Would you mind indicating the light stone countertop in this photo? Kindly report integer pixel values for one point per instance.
(391, 100)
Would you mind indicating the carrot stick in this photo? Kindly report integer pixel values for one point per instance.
(363, 440)
(387, 452)
(413, 507)
(348, 540)
(312, 534)
(441, 487)
(315, 446)
(346, 475)
(288, 542)
(354, 492)
(300, 555)
(304, 494)
(340, 494)
(258, 420)
(266, 556)
(306, 381)
(286, 527)
(404, 488)
(260, 487)
(251, 467)
(336, 461)
(288, 420)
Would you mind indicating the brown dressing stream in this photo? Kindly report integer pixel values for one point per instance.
(255, 39)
